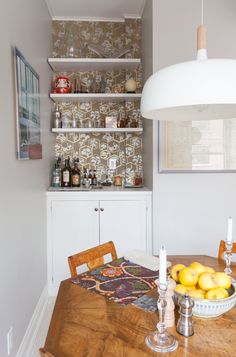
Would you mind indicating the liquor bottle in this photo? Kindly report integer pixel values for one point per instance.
(66, 174)
(84, 178)
(59, 163)
(90, 176)
(75, 175)
(94, 179)
(56, 176)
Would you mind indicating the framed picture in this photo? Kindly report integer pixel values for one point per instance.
(27, 109)
(197, 146)
(111, 121)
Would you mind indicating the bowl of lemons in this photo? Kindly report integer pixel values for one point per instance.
(212, 292)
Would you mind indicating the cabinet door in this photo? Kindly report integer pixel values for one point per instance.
(124, 222)
(74, 227)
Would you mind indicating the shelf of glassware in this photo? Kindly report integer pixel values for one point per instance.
(92, 64)
(99, 97)
(97, 130)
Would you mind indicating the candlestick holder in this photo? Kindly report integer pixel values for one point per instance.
(161, 340)
(228, 258)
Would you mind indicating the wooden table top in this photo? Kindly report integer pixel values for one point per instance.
(87, 324)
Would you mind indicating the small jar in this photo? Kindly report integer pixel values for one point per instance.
(138, 178)
(74, 121)
(89, 123)
(118, 180)
(66, 120)
(134, 123)
(98, 123)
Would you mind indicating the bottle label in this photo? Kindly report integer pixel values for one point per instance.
(66, 176)
(75, 179)
(56, 181)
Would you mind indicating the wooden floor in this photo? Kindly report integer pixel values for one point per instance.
(41, 336)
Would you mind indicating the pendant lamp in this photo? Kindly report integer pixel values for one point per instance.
(203, 89)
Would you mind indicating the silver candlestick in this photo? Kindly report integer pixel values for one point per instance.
(161, 340)
(228, 258)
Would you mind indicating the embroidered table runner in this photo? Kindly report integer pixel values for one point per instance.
(121, 281)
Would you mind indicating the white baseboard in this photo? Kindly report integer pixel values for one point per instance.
(28, 342)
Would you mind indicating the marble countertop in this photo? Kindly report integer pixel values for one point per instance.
(98, 189)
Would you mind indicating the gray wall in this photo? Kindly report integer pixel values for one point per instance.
(191, 210)
(26, 24)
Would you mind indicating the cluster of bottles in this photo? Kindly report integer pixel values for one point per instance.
(67, 176)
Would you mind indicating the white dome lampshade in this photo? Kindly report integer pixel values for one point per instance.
(197, 90)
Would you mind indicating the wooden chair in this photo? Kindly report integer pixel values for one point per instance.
(222, 249)
(92, 257)
(44, 353)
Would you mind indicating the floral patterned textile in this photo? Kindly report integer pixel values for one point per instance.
(121, 281)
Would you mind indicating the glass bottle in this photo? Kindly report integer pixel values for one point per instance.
(94, 179)
(59, 163)
(84, 178)
(134, 123)
(138, 178)
(70, 51)
(66, 174)
(75, 175)
(56, 117)
(56, 176)
(76, 86)
(66, 120)
(74, 121)
(90, 176)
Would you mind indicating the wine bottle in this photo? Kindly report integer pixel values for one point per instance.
(75, 175)
(90, 176)
(94, 178)
(66, 174)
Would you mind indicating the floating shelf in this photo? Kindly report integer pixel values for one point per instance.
(91, 64)
(98, 130)
(100, 97)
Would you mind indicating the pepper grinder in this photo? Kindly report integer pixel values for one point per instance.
(185, 322)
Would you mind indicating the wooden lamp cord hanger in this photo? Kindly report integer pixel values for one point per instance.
(201, 38)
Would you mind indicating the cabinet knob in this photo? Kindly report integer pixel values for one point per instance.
(102, 209)
(96, 209)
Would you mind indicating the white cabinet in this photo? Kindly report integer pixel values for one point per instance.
(74, 227)
(80, 220)
(124, 222)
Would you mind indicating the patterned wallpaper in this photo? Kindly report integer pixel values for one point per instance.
(94, 150)
(109, 36)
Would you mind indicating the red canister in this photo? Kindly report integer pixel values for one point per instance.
(62, 85)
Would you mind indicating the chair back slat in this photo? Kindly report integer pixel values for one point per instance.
(222, 249)
(44, 353)
(92, 257)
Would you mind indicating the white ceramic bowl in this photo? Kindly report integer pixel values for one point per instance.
(211, 308)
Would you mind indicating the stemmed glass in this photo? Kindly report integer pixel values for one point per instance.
(161, 340)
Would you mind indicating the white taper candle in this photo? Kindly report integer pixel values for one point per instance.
(230, 230)
(162, 269)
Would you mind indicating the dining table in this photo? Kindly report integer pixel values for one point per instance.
(85, 323)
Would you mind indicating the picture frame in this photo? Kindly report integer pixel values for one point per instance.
(27, 100)
(111, 122)
(197, 146)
